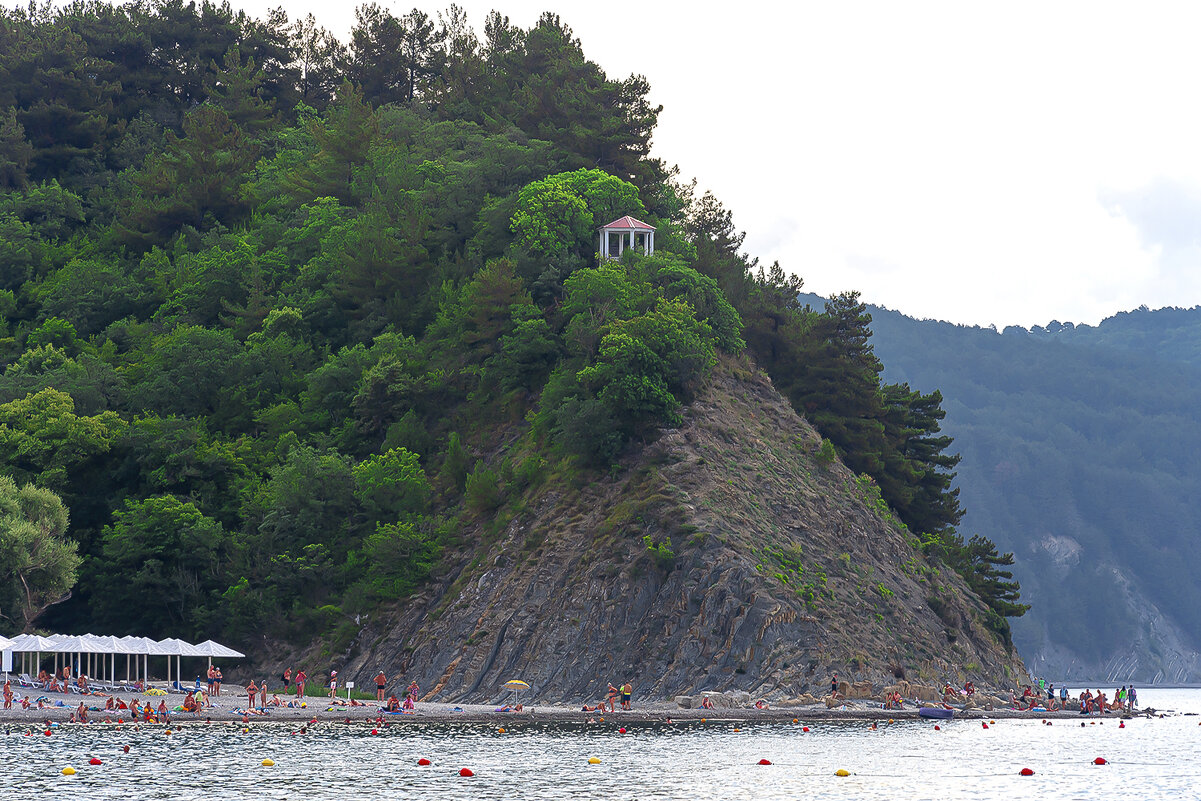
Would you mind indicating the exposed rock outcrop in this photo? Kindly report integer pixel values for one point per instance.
(722, 557)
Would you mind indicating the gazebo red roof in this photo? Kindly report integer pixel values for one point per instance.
(627, 222)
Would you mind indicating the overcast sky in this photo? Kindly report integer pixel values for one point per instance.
(1004, 163)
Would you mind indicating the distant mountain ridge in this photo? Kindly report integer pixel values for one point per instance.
(1081, 453)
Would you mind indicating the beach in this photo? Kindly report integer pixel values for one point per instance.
(230, 708)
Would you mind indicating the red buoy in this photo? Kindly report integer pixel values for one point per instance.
(622, 730)
(423, 761)
(47, 732)
(95, 761)
(764, 761)
(985, 725)
(937, 727)
(1100, 761)
(804, 728)
(1122, 725)
(125, 748)
(375, 731)
(466, 772)
(1025, 772)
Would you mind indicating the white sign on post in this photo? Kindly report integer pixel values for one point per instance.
(7, 665)
(349, 687)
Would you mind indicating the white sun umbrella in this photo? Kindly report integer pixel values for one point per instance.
(68, 644)
(143, 647)
(109, 646)
(6, 646)
(217, 650)
(179, 649)
(33, 644)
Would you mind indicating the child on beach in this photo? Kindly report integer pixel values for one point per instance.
(333, 684)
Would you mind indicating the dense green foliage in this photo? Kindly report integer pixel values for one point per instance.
(282, 319)
(1080, 449)
(37, 563)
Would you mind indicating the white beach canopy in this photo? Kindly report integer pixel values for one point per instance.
(217, 650)
(177, 648)
(88, 651)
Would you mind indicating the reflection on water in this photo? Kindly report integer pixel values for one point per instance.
(911, 760)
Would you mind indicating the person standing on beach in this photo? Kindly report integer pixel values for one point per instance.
(252, 690)
(1133, 698)
(220, 678)
(627, 690)
(287, 677)
(301, 678)
(333, 684)
(381, 681)
(8, 694)
(834, 686)
(263, 693)
(612, 696)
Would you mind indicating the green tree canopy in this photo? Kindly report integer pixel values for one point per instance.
(38, 565)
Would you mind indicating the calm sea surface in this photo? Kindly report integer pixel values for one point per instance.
(1148, 759)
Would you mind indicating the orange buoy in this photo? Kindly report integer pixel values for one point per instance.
(468, 772)
(737, 729)
(501, 730)
(794, 720)
(1100, 761)
(94, 761)
(423, 761)
(764, 761)
(1025, 772)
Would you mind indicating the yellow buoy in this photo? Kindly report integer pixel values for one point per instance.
(593, 760)
(842, 772)
(168, 731)
(68, 771)
(268, 763)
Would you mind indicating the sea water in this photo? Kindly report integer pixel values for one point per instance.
(716, 759)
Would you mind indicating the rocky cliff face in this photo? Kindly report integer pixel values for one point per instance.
(722, 557)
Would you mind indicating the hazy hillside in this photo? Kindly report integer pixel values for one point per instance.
(1081, 453)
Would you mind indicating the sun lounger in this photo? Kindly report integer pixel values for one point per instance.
(25, 680)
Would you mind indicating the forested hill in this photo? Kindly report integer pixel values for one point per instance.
(296, 328)
(1080, 450)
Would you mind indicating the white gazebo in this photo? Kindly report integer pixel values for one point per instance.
(626, 233)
